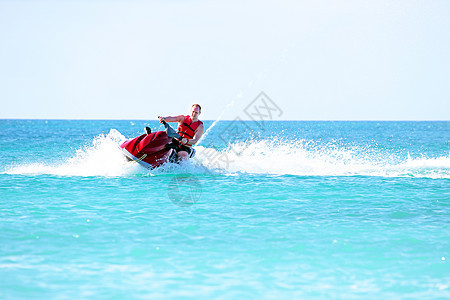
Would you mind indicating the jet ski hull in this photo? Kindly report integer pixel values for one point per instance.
(149, 150)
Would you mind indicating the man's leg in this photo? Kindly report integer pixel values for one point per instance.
(183, 155)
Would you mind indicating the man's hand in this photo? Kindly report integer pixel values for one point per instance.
(161, 119)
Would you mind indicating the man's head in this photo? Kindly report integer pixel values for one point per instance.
(196, 110)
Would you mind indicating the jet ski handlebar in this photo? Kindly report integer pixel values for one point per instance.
(170, 131)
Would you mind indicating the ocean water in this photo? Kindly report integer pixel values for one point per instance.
(274, 210)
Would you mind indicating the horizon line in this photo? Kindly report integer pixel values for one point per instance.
(245, 120)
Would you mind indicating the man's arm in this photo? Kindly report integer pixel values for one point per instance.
(198, 134)
(179, 118)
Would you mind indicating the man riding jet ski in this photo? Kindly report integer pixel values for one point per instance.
(151, 150)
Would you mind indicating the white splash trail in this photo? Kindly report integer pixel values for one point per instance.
(266, 157)
(231, 104)
(241, 93)
(102, 158)
(307, 159)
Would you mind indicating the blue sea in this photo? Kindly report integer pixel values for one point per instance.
(268, 210)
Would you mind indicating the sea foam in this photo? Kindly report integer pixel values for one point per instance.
(306, 158)
(103, 157)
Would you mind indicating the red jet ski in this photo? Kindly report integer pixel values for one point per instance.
(153, 149)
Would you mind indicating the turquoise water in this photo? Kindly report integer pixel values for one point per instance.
(277, 210)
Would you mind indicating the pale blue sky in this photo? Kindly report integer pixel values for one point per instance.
(318, 60)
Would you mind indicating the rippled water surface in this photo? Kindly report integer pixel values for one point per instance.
(290, 209)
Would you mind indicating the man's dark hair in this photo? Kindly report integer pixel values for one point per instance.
(198, 106)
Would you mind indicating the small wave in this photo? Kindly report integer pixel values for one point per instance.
(101, 158)
(306, 158)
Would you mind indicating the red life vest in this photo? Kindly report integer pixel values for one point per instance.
(187, 128)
